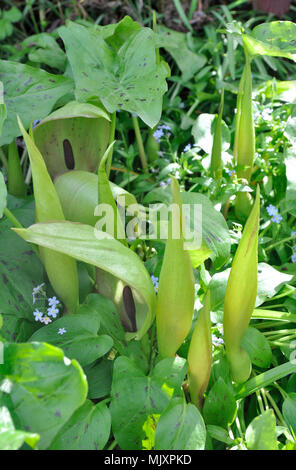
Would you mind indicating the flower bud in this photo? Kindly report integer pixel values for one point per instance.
(200, 354)
(244, 142)
(175, 300)
(241, 295)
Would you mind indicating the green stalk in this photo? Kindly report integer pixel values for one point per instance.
(140, 142)
(12, 219)
(216, 159)
(152, 146)
(111, 139)
(154, 19)
(3, 159)
(16, 182)
(105, 196)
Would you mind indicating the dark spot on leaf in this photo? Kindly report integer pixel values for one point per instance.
(152, 403)
(29, 253)
(58, 414)
(5, 280)
(30, 80)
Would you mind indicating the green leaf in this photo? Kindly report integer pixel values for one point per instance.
(10, 438)
(276, 38)
(116, 34)
(46, 387)
(171, 371)
(220, 405)
(258, 348)
(215, 233)
(99, 379)
(290, 162)
(31, 93)
(87, 429)
(264, 379)
(105, 310)
(6, 28)
(261, 432)
(80, 242)
(180, 427)
(289, 411)
(203, 132)
(134, 397)
(3, 112)
(215, 241)
(43, 49)
(176, 45)
(119, 80)
(81, 340)
(20, 271)
(3, 194)
(13, 14)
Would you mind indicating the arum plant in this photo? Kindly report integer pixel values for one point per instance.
(268, 39)
(121, 275)
(61, 269)
(175, 300)
(241, 295)
(200, 354)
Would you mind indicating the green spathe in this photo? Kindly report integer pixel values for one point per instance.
(241, 295)
(200, 354)
(175, 300)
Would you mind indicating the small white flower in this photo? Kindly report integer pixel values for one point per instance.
(53, 301)
(38, 315)
(62, 331)
(46, 320)
(52, 311)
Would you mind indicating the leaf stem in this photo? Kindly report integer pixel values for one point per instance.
(111, 139)
(140, 142)
(3, 159)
